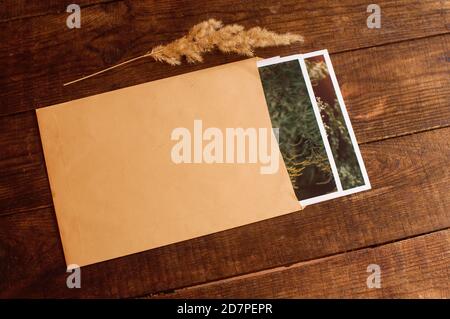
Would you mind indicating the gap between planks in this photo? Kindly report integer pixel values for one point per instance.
(167, 293)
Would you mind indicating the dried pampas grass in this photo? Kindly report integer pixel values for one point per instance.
(208, 36)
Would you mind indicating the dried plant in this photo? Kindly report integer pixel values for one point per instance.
(208, 36)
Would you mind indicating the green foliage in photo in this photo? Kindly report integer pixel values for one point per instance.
(300, 141)
(338, 135)
(341, 145)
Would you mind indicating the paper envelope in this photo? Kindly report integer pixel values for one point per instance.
(115, 187)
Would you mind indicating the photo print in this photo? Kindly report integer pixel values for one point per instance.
(315, 135)
(334, 115)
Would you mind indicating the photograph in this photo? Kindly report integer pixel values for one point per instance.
(316, 138)
(340, 134)
(301, 138)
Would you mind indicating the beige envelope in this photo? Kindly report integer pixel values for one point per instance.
(115, 187)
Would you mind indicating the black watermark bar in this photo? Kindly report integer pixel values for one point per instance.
(229, 308)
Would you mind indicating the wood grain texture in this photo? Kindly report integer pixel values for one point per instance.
(23, 178)
(410, 197)
(39, 54)
(396, 89)
(394, 80)
(386, 96)
(412, 268)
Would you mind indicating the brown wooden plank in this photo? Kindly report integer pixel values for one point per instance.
(410, 196)
(412, 268)
(396, 89)
(40, 54)
(386, 95)
(22, 9)
(19, 140)
(23, 178)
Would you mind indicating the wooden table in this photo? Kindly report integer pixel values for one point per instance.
(396, 84)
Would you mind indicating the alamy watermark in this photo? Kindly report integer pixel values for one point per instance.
(374, 279)
(233, 145)
(374, 20)
(74, 19)
(74, 279)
